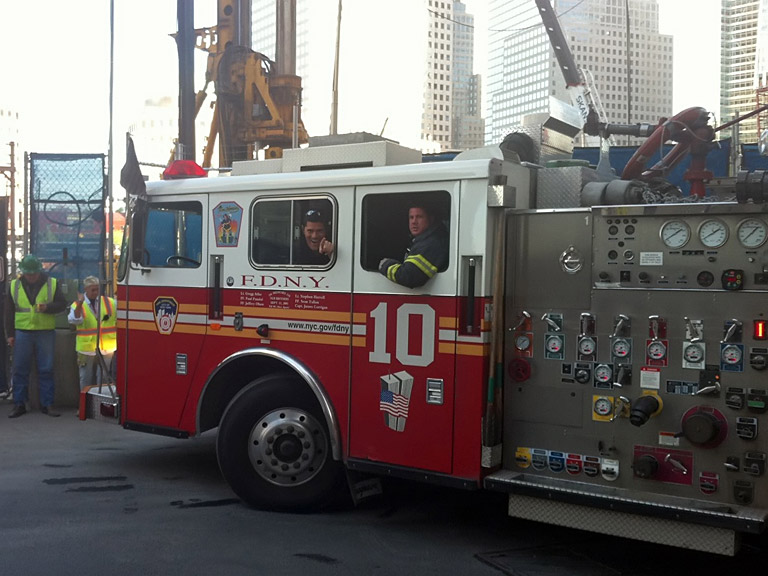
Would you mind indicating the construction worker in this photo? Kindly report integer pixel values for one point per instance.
(96, 320)
(30, 305)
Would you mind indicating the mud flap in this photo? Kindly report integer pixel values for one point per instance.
(363, 486)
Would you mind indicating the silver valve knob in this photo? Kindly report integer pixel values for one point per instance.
(735, 325)
(622, 319)
(551, 323)
(693, 330)
(676, 464)
(523, 317)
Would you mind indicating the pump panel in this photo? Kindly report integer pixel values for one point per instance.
(647, 357)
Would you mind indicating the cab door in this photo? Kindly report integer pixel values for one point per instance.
(166, 303)
(402, 380)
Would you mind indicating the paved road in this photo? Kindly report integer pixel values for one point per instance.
(89, 498)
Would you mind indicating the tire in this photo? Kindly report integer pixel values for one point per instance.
(274, 448)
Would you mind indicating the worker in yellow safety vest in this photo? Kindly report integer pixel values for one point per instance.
(96, 320)
(32, 301)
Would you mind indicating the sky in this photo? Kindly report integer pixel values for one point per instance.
(56, 65)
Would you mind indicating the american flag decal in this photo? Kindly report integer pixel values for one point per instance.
(395, 398)
(395, 404)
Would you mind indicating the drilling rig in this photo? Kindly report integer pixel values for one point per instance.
(258, 101)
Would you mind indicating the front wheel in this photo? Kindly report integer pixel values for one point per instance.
(273, 446)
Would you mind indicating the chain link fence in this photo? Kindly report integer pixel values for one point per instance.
(67, 194)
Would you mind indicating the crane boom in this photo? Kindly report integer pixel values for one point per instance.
(573, 82)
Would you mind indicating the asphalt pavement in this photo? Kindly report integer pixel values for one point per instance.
(90, 498)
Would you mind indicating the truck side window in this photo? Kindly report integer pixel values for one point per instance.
(288, 232)
(174, 235)
(385, 231)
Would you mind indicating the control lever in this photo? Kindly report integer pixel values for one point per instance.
(523, 317)
(552, 324)
(586, 324)
(735, 325)
(714, 389)
(654, 321)
(619, 405)
(693, 330)
(730, 466)
(676, 464)
(623, 318)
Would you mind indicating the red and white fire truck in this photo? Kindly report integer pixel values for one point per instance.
(604, 365)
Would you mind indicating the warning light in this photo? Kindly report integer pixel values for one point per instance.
(759, 330)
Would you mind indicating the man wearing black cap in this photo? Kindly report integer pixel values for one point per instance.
(30, 305)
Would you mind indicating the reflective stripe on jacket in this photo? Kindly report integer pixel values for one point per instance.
(26, 317)
(89, 330)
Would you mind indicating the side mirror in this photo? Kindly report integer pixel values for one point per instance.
(138, 225)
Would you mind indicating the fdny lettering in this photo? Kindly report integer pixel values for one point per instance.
(268, 281)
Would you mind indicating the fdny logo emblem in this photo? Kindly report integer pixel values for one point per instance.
(166, 310)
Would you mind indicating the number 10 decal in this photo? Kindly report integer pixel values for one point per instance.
(402, 335)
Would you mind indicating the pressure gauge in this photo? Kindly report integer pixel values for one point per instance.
(752, 233)
(713, 233)
(657, 350)
(731, 354)
(587, 346)
(603, 373)
(675, 233)
(603, 406)
(554, 344)
(621, 348)
(522, 342)
(693, 353)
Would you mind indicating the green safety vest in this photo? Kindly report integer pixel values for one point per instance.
(27, 318)
(89, 330)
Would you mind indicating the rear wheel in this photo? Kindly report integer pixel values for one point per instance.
(273, 446)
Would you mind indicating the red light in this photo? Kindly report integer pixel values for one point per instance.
(183, 169)
(759, 330)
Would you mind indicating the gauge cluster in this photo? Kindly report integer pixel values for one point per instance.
(659, 247)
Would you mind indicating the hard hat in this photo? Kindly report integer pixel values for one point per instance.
(30, 264)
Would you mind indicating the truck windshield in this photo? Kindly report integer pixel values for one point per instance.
(173, 236)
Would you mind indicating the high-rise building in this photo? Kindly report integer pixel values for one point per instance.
(743, 62)
(447, 93)
(634, 85)
(467, 128)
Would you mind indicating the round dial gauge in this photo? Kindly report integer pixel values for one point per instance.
(603, 406)
(713, 233)
(693, 353)
(752, 233)
(621, 348)
(554, 344)
(675, 233)
(522, 342)
(603, 373)
(657, 350)
(587, 346)
(731, 354)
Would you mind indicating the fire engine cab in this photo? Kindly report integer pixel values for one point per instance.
(604, 365)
